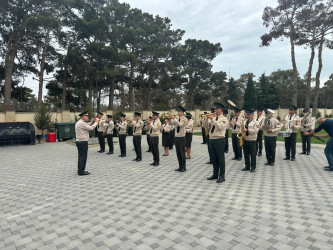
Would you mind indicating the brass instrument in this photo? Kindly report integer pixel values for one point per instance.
(241, 135)
(267, 122)
(305, 116)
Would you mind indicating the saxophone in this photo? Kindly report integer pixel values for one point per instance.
(241, 135)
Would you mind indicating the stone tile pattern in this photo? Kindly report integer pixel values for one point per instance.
(128, 205)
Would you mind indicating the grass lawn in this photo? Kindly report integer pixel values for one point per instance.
(299, 139)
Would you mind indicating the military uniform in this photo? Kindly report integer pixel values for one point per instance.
(236, 128)
(109, 134)
(82, 136)
(306, 126)
(137, 133)
(291, 123)
(249, 147)
(148, 136)
(122, 128)
(180, 133)
(226, 145)
(207, 125)
(189, 133)
(166, 135)
(270, 138)
(172, 137)
(203, 129)
(155, 129)
(218, 126)
(101, 134)
(259, 119)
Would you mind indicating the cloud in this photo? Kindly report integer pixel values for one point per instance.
(237, 25)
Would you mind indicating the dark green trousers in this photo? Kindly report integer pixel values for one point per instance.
(82, 148)
(137, 146)
(270, 147)
(249, 149)
(154, 148)
(122, 144)
(217, 152)
(180, 149)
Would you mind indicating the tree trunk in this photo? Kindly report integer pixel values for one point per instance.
(64, 89)
(98, 100)
(42, 68)
(190, 92)
(111, 94)
(308, 74)
(150, 81)
(320, 66)
(131, 89)
(12, 48)
(295, 75)
(90, 96)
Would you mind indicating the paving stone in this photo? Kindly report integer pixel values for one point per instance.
(128, 205)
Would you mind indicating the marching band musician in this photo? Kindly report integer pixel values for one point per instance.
(291, 123)
(259, 119)
(218, 125)
(166, 128)
(271, 126)
(250, 132)
(137, 133)
(101, 132)
(235, 125)
(172, 136)
(148, 135)
(306, 125)
(207, 128)
(122, 128)
(189, 135)
(226, 146)
(155, 128)
(180, 132)
(109, 133)
(202, 122)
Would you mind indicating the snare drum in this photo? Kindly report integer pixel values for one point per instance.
(283, 134)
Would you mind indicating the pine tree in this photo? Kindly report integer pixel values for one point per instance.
(43, 118)
(250, 98)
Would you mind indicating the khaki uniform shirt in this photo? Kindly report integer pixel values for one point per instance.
(189, 126)
(181, 124)
(155, 127)
(82, 130)
(122, 127)
(253, 129)
(260, 119)
(166, 128)
(138, 125)
(218, 127)
(236, 128)
(306, 125)
(100, 126)
(273, 124)
(294, 121)
(109, 127)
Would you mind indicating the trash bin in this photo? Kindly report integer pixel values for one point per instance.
(52, 137)
(65, 130)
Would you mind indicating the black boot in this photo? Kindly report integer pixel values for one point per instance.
(220, 179)
(213, 177)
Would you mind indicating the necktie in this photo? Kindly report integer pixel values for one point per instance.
(135, 127)
(213, 128)
(152, 129)
(178, 128)
(247, 127)
(235, 123)
(257, 118)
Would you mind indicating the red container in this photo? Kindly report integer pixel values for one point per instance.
(47, 136)
(52, 137)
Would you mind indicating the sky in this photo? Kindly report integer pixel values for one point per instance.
(237, 25)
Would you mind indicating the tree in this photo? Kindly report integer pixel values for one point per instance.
(250, 97)
(283, 22)
(233, 91)
(43, 118)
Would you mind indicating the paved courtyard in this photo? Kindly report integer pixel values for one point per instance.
(128, 205)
